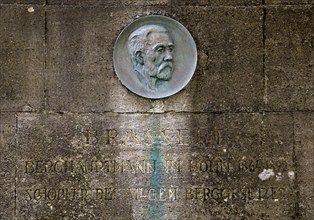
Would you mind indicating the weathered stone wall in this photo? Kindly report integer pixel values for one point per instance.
(236, 143)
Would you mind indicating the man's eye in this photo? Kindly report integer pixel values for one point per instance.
(160, 49)
(171, 49)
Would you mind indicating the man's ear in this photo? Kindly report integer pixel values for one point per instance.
(139, 57)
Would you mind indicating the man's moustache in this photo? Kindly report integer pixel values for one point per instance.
(164, 65)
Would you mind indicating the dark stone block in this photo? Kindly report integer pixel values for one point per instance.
(7, 165)
(80, 70)
(157, 2)
(304, 148)
(229, 72)
(37, 2)
(198, 165)
(289, 59)
(21, 58)
(228, 76)
(288, 2)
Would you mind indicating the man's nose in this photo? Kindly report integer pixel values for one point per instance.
(168, 56)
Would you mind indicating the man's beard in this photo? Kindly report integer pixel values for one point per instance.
(162, 72)
(165, 71)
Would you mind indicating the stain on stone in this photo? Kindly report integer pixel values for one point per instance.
(30, 9)
(266, 174)
(156, 208)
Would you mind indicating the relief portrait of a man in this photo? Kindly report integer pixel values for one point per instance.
(151, 50)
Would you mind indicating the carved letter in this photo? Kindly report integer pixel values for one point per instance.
(29, 167)
(180, 136)
(111, 135)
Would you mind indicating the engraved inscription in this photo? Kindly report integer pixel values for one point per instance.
(71, 194)
(195, 193)
(161, 194)
(144, 137)
(145, 166)
(225, 194)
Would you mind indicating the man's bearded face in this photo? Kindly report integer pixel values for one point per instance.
(158, 56)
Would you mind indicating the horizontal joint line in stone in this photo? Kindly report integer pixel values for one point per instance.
(149, 113)
(158, 5)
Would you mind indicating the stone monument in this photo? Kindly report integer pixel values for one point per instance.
(156, 109)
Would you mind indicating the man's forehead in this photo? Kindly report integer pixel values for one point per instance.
(159, 37)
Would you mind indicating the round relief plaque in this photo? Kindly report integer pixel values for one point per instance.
(155, 57)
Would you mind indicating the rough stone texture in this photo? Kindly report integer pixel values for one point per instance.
(22, 1)
(157, 2)
(244, 141)
(229, 61)
(80, 72)
(304, 147)
(81, 75)
(289, 50)
(236, 143)
(288, 2)
(7, 165)
(22, 58)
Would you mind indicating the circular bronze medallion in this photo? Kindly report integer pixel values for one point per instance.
(155, 57)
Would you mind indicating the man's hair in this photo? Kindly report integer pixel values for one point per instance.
(138, 40)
